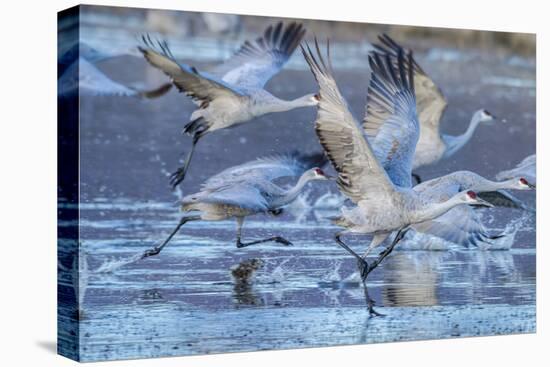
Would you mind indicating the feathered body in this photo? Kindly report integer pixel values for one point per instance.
(461, 224)
(390, 126)
(433, 145)
(368, 160)
(231, 93)
(249, 189)
(405, 208)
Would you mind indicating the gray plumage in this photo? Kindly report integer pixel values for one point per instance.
(526, 168)
(231, 93)
(463, 225)
(381, 206)
(78, 75)
(249, 189)
(433, 145)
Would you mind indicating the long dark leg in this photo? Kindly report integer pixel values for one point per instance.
(241, 244)
(416, 178)
(361, 262)
(179, 175)
(363, 268)
(157, 249)
(400, 234)
(369, 301)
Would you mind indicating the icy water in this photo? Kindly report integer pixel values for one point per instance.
(185, 300)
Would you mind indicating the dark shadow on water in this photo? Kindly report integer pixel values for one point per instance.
(48, 345)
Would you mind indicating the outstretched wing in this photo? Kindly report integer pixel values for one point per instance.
(390, 120)
(359, 173)
(201, 87)
(430, 101)
(258, 61)
(503, 199)
(461, 225)
(267, 168)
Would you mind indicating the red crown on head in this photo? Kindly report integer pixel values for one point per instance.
(472, 194)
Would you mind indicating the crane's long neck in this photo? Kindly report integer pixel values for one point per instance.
(455, 143)
(291, 194)
(434, 210)
(485, 185)
(282, 105)
(467, 180)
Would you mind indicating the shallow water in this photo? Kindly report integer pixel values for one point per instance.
(185, 301)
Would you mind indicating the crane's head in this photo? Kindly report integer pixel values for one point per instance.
(311, 99)
(484, 116)
(523, 184)
(472, 199)
(317, 174)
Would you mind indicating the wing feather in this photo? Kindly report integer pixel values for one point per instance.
(359, 173)
(256, 62)
(503, 199)
(200, 86)
(390, 121)
(461, 225)
(267, 168)
(430, 101)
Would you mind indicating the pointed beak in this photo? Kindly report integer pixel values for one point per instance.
(329, 177)
(532, 186)
(483, 203)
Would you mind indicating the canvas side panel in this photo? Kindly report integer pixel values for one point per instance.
(68, 259)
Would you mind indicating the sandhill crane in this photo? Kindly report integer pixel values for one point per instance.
(431, 104)
(78, 74)
(526, 168)
(462, 225)
(248, 189)
(233, 92)
(381, 206)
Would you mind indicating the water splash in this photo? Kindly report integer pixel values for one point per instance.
(333, 274)
(278, 274)
(426, 242)
(113, 264)
(79, 274)
(301, 207)
(352, 278)
(305, 204)
(330, 201)
(509, 234)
